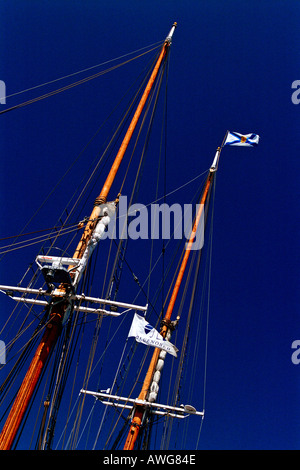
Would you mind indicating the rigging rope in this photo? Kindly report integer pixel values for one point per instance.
(60, 383)
(193, 372)
(72, 85)
(208, 311)
(125, 117)
(150, 125)
(90, 361)
(90, 366)
(157, 186)
(75, 226)
(31, 233)
(39, 239)
(122, 246)
(84, 70)
(143, 152)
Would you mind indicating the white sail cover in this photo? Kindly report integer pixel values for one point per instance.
(146, 334)
(106, 211)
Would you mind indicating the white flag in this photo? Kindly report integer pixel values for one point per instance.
(247, 140)
(146, 334)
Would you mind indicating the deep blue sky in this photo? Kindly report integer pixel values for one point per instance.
(231, 67)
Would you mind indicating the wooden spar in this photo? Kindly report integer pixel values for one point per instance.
(139, 410)
(54, 326)
(116, 165)
(31, 378)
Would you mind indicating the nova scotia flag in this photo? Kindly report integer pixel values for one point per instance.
(246, 140)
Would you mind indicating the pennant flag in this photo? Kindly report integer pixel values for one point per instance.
(146, 334)
(247, 140)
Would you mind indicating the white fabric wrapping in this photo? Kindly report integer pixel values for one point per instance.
(106, 211)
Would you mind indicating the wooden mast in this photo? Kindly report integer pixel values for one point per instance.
(140, 410)
(57, 311)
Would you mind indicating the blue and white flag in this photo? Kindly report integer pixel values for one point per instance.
(247, 140)
(146, 334)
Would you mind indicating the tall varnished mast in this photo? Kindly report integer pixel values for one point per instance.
(64, 304)
(155, 366)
